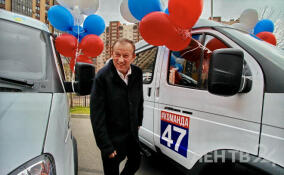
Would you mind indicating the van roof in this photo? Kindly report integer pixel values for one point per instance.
(17, 18)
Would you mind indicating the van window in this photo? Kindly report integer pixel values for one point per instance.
(189, 67)
(146, 61)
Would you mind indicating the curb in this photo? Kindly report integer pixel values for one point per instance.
(85, 116)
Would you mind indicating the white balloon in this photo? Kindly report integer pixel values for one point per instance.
(125, 12)
(241, 27)
(87, 7)
(164, 4)
(249, 18)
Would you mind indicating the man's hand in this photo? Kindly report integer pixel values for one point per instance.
(112, 155)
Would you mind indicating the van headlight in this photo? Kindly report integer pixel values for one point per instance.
(41, 165)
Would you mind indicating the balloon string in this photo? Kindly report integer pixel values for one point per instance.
(78, 52)
(197, 47)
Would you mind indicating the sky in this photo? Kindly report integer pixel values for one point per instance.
(227, 9)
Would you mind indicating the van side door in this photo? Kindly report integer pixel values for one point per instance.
(146, 60)
(191, 122)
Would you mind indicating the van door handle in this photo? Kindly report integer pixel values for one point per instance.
(187, 112)
(149, 91)
(172, 109)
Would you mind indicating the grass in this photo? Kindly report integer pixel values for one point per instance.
(80, 110)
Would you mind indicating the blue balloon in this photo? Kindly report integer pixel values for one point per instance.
(140, 8)
(60, 18)
(264, 25)
(167, 11)
(196, 37)
(173, 61)
(179, 67)
(81, 35)
(254, 36)
(78, 30)
(94, 24)
(176, 53)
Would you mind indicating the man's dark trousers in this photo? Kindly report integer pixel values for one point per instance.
(129, 149)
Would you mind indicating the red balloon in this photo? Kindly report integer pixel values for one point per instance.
(185, 13)
(91, 45)
(268, 37)
(84, 59)
(214, 44)
(66, 45)
(155, 28)
(178, 40)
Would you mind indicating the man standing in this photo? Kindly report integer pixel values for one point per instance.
(117, 110)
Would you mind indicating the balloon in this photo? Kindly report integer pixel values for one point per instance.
(81, 35)
(179, 67)
(173, 61)
(125, 12)
(268, 37)
(60, 18)
(241, 27)
(167, 11)
(140, 8)
(155, 28)
(84, 59)
(264, 25)
(214, 44)
(185, 13)
(178, 40)
(87, 7)
(254, 36)
(176, 53)
(77, 30)
(249, 18)
(66, 45)
(94, 24)
(91, 45)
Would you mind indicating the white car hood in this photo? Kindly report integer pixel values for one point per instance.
(23, 123)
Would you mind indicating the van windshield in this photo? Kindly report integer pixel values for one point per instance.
(22, 51)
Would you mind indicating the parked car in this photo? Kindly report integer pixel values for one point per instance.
(35, 132)
(223, 110)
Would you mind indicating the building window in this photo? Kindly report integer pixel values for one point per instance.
(2, 4)
(22, 6)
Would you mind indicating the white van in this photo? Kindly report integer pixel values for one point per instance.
(35, 133)
(216, 106)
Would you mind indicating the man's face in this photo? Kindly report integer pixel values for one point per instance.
(123, 55)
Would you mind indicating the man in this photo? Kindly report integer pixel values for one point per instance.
(117, 110)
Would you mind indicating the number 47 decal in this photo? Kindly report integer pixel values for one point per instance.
(174, 132)
(167, 136)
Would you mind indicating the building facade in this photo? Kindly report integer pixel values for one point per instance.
(114, 31)
(34, 8)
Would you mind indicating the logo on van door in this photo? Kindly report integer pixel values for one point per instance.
(174, 132)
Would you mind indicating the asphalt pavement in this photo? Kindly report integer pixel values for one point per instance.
(89, 157)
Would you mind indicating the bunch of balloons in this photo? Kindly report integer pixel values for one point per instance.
(79, 42)
(262, 29)
(170, 27)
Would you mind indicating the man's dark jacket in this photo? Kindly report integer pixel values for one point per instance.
(116, 108)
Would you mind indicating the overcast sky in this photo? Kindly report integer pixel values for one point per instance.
(227, 9)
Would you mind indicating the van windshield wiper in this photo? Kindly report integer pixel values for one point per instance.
(17, 81)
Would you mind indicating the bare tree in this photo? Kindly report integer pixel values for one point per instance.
(276, 16)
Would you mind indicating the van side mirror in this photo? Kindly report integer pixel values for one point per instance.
(84, 75)
(225, 72)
